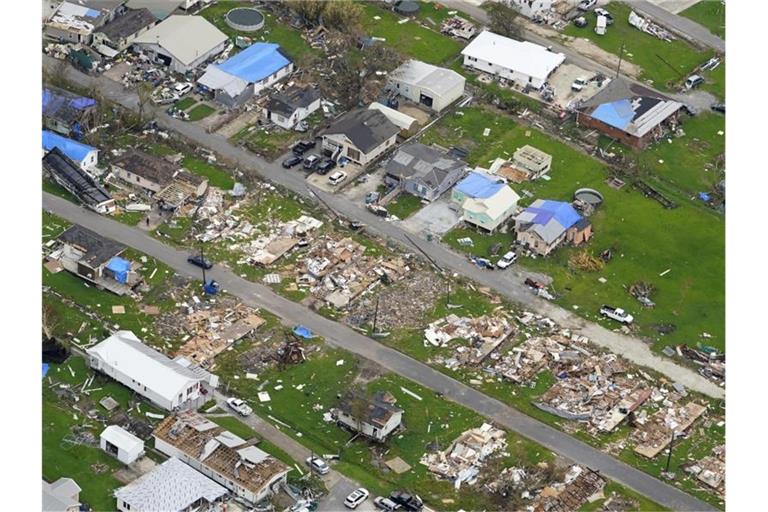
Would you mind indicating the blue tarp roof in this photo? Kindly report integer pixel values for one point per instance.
(76, 151)
(479, 186)
(45, 369)
(51, 100)
(562, 212)
(120, 267)
(256, 62)
(302, 331)
(617, 113)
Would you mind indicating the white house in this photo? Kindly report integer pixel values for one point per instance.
(121, 444)
(531, 8)
(360, 135)
(168, 383)
(182, 42)
(144, 170)
(522, 62)
(63, 495)
(375, 417)
(171, 487)
(429, 85)
(292, 106)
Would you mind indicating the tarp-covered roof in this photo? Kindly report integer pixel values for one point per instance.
(61, 104)
(548, 219)
(256, 62)
(76, 151)
(479, 186)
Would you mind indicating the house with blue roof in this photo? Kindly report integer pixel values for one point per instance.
(545, 225)
(486, 202)
(237, 79)
(87, 157)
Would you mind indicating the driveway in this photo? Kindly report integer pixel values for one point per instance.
(437, 218)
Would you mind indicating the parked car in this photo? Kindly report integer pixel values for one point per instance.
(580, 22)
(292, 161)
(318, 465)
(385, 504)
(199, 261)
(356, 498)
(579, 84)
(586, 5)
(303, 146)
(536, 285)
(694, 81)
(507, 260)
(182, 88)
(311, 162)
(718, 107)
(409, 502)
(608, 16)
(240, 407)
(617, 314)
(325, 166)
(337, 177)
(356, 225)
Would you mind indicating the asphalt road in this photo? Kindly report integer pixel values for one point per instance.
(508, 283)
(257, 295)
(679, 24)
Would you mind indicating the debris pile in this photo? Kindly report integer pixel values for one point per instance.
(463, 459)
(457, 26)
(586, 262)
(580, 486)
(711, 362)
(711, 469)
(656, 434)
(484, 334)
(649, 27)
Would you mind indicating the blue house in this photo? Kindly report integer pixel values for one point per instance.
(246, 74)
(87, 157)
(546, 224)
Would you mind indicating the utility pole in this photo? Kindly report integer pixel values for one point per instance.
(621, 56)
(202, 257)
(669, 455)
(448, 296)
(375, 315)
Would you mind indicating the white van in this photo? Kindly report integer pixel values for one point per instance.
(337, 177)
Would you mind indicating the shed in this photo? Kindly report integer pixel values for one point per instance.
(121, 444)
(428, 85)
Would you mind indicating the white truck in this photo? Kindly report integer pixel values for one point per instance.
(579, 84)
(239, 406)
(600, 25)
(617, 314)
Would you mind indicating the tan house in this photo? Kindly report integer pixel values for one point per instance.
(146, 171)
(361, 136)
(545, 225)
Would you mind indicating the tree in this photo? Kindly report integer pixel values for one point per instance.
(144, 93)
(56, 73)
(309, 10)
(51, 320)
(342, 15)
(502, 19)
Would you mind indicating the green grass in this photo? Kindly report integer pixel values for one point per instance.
(130, 218)
(613, 489)
(200, 112)
(708, 13)
(409, 38)
(714, 81)
(57, 190)
(690, 243)
(483, 242)
(185, 103)
(644, 50)
(217, 176)
(268, 143)
(404, 205)
(175, 231)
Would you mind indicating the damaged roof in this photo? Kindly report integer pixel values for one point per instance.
(74, 179)
(287, 102)
(367, 129)
(380, 407)
(549, 219)
(64, 105)
(150, 167)
(128, 24)
(99, 250)
(429, 164)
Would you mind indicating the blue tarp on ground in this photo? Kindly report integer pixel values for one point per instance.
(120, 268)
(45, 369)
(478, 186)
(303, 332)
(76, 151)
(256, 62)
(618, 113)
(562, 212)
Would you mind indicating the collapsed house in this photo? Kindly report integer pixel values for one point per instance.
(711, 469)
(484, 334)
(67, 113)
(579, 486)
(463, 459)
(656, 434)
(375, 417)
(77, 181)
(237, 464)
(75, 23)
(456, 26)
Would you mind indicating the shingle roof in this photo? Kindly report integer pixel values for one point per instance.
(99, 250)
(425, 162)
(147, 166)
(288, 101)
(128, 24)
(367, 129)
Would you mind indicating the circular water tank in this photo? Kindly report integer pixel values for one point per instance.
(407, 7)
(589, 195)
(245, 19)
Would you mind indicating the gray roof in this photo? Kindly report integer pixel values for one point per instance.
(378, 409)
(426, 76)
(128, 24)
(147, 166)
(287, 102)
(99, 250)
(367, 129)
(186, 38)
(57, 497)
(619, 89)
(160, 8)
(170, 486)
(73, 178)
(429, 164)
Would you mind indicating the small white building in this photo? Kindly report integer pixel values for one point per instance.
(289, 108)
(428, 85)
(407, 124)
(121, 444)
(182, 42)
(522, 62)
(171, 384)
(375, 417)
(531, 8)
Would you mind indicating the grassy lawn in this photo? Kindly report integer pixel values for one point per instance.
(130, 218)
(708, 13)
(273, 142)
(483, 242)
(619, 491)
(185, 103)
(404, 205)
(54, 188)
(200, 112)
(690, 296)
(645, 50)
(274, 31)
(217, 176)
(714, 81)
(410, 38)
(175, 231)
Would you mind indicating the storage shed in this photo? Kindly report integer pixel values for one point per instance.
(121, 444)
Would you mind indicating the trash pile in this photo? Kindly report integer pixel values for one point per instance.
(711, 469)
(649, 27)
(463, 459)
(656, 433)
(523, 362)
(281, 238)
(579, 486)
(457, 26)
(484, 334)
(710, 361)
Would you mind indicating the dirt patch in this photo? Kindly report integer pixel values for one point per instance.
(232, 128)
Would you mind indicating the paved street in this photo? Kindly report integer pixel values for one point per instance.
(679, 24)
(257, 295)
(508, 283)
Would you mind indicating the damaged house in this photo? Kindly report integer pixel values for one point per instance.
(121, 32)
(145, 171)
(486, 202)
(87, 157)
(77, 182)
(289, 108)
(423, 171)
(360, 135)
(484, 335)
(527, 163)
(546, 224)
(630, 113)
(75, 23)
(375, 417)
(579, 486)
(463, 459)
(237, 464)
(656, 434)
(67, 113)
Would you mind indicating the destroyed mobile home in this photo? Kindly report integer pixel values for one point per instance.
(484, 333)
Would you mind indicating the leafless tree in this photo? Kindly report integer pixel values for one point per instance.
(503, 19)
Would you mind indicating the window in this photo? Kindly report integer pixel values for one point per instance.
(126, 505)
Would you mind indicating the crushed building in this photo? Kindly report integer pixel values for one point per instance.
(656, 434)
(484, 334)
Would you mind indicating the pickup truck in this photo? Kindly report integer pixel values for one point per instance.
(579, 84)
(617, 314)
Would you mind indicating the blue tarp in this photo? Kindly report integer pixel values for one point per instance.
(53, 101)
(618, 113)
(256, 62)
(303, 332)
(704, 197)
(45, 369)
(478, 186)
(562, 212)
(76, 151)
(120, 268)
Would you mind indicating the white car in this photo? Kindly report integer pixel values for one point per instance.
(318, 465)
(240, 407)
(356, 498)
(337, 177)
(182, 88)
(579, 84)
(507, 260)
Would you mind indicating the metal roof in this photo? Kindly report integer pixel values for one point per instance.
(75, 151)
(187, 38)
(256, 62)
(426, 76)
(121, 438)
(73, 178)
(521, 56)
